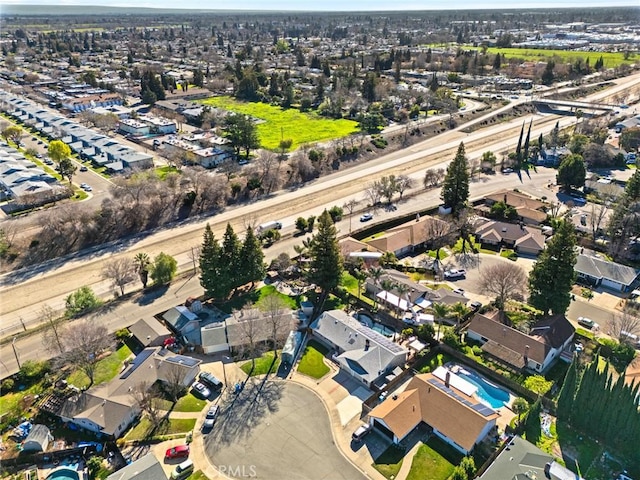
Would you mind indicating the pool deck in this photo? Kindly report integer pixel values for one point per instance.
(48, 469)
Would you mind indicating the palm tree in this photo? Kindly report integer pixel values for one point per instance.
(440, 311)
(375, 274)
(388, 258)
(402, 290)
(387, 284)
(519, 406)
(360, 276)
(459, 310)
(302, 251)
(142, 262)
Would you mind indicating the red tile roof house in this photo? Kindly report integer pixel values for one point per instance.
(522, 239)
(529, 210)
(457, 418)
(535, 351)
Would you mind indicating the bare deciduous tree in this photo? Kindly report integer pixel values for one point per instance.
(373, 194)
(173, 376)
(250, 322)
(145, 395)
(52, 335)
(278, 318)
(433, 177)
(624, 322)
(597, 214)
(503, 280)
(83, 343)
(120, 271)
(403, 184)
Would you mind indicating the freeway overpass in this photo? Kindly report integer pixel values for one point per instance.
(573, 105)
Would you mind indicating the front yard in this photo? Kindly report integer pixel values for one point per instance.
(263, 365)
(144, 429)
(429, 463)
(312, 361)
(106, 369)
(389, 463)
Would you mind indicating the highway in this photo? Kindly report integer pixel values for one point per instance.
(25, 292)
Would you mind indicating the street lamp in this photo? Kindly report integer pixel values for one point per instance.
(224, 369)
(15, 352)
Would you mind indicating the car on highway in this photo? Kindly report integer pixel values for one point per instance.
(507, 171)
(179, 451)
(588, 323)
(83, 168)
(200, 390)
(366, 217)
(454, 274)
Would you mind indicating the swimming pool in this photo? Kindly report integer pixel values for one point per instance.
(367, 321)
(487, 392)
(64, 473)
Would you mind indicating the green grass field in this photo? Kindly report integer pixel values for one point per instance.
(611, 59)
(189, 403)
(144, 428)
(286, 123)
(106, 370)
(427, 463)
(262, 365)
(312, 362)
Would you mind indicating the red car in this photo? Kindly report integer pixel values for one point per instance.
(179, 451)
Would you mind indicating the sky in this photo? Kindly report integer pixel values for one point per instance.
(338, 5)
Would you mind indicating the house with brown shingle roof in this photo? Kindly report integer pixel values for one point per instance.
(535, 350)
(521, 238)
(406, 237)
(457, 418)
(529, 210)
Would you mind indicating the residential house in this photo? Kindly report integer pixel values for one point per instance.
(162, 126)
(632, 122)
(133, 127)
(79, 104)
(149, 332)
(38, 439)
(521, 238)
(352, 248)
(180, 320)
(410, 235)
(551, 157)
(110, 408)
(535, 350)
(529, 210)
(456, 417)
(519, 460)
(595, 270)
(360, 351)
(145, 468)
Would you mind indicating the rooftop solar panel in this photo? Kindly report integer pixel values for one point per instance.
(182, 360)
(140, 358)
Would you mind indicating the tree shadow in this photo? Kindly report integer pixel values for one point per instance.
(151, 295)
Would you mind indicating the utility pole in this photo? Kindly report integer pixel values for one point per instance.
(15, 352)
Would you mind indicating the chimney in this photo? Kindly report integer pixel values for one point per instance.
(526, 355)
(505, 198)
(447, 378)
(366, 345)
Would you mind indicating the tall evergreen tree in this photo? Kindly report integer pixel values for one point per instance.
(210, 264)
(326, 267)
(455, 188)
(553, 275)
(230, 277)
(567, 394)
(251, 268)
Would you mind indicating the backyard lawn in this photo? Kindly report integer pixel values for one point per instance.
(106, 369)
(312, 361)
(144, 429)
(10, 401)
(262, 365)
(389, 463)
(429, 463)
(257, 297)
(290, 123)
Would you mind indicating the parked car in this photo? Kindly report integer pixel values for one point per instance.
(183, 470)
(179, 451)
(200, 390)
(475, 305)
(211, 381)
(88, 189)
(210, 419)
(459, 291)
(588, 323)
(366, 217)
(454, 274)
(360, 432)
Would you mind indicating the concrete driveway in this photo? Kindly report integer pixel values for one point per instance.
(285, 433)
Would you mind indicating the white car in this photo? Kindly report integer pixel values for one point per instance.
(366, 217)
(588, 323)
(455, 273)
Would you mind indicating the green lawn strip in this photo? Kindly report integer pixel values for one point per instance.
(189, 403)
(106, 369)
(144, 428)
(262, 365)
(350, 283)
(290, 123)
(267, 290)
(162, 172)
(257, 298)
(198, 475)
(389, 463)
(312, 361)
(429, 463)
(11, 401)
(610, 59)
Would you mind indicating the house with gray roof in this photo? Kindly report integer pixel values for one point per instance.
(150, 332)
(519, 460)
(360, 351)
(599, 272)
(145, 468)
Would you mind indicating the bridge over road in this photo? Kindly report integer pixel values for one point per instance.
(573, 105)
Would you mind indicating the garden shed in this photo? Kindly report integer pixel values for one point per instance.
(38, 439)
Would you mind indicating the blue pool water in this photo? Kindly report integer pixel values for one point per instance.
(367, 321)
(63, 473)
(494, 396)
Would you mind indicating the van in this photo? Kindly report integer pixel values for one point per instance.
(183, 470)
(269, 226)
(211, 381)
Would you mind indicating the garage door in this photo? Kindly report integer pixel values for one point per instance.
(381, 428)
(612, 285)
